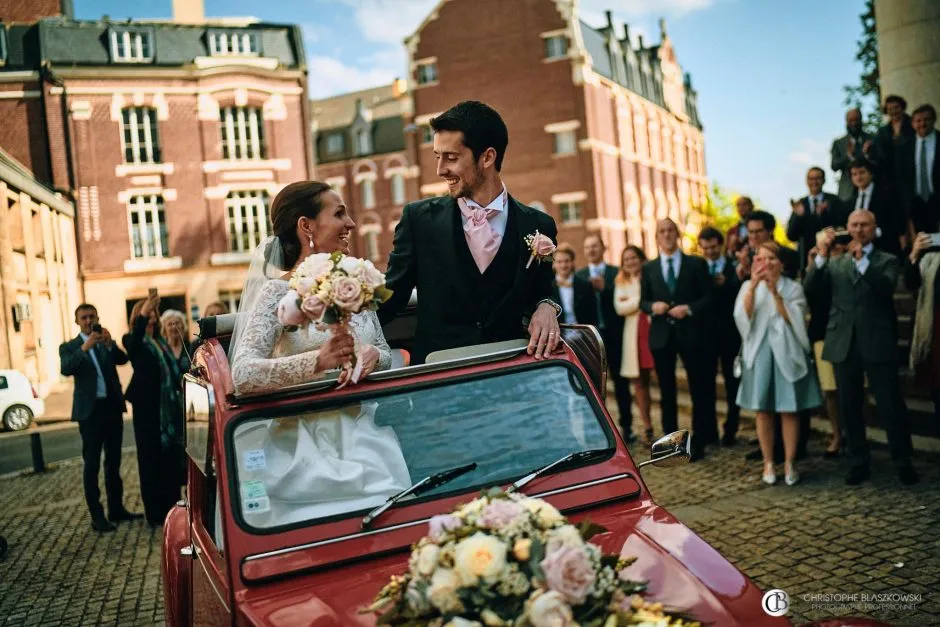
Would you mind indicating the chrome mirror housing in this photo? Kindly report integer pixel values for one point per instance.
(671, 450)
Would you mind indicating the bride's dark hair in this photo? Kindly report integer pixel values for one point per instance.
(297, 200)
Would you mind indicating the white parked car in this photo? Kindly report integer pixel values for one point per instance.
(19, 402)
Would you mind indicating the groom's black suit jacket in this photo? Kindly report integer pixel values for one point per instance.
(457, 305)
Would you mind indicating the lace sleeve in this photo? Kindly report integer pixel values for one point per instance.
(254, 369)
(369, 331)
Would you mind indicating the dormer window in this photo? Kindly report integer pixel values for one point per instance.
(363, 142)
(233, 43)
(556, 47)
(335, 143)
(130, 45)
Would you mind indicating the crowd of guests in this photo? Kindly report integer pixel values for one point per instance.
(794, 332)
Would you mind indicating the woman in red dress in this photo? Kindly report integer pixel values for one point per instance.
(637, 360)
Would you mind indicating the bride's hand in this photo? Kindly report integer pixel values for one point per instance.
(368, 359)
(336, 351)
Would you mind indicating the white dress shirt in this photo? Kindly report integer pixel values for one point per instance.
(566, 293)
(676, 263)
(864, 195)
(860, 264)
(931, 144)
(101, 390)
(500, 204)
(597, 270)
(814, 201)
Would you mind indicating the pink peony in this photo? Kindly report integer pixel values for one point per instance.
(313, 307)
(542, 245)
(347, 294)
(568, 571)
(499, 513)
(288, 312)
(439, 525)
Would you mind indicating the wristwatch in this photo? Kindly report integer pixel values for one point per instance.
(554, 305)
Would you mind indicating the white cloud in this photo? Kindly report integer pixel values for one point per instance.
(810, 152)
(390, 21)
(329, 77)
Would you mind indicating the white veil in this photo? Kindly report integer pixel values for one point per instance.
(267, 260)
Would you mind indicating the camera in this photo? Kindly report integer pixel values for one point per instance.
(96, 328)
(842, 237)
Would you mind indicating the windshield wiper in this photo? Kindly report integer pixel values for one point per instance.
(567, 460)
(428, 483)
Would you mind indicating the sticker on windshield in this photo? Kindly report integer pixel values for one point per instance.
(253, 489)
(256, 506)
(254, 460)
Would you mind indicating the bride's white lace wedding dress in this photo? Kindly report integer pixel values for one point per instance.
(327, 462)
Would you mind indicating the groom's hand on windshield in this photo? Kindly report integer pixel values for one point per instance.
(544, 333)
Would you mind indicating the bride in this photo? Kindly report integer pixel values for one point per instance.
(312, 466)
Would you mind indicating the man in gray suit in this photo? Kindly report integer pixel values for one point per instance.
(97, 407)
(862, 338)
(855, 145)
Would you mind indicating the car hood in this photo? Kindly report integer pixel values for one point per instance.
(683, 572)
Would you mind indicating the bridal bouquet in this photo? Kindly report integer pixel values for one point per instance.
(514, 561)
(328, 289)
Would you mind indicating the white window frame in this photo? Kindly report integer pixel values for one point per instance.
(367, 193)
(571, 212)
(246, 219)
(3, 45)
(565, 142)
(141, 122)
(151, 230)
(242, 130)
(225, 43)
(551, 48)
(397, 184)
(426, 73)
(131, 46)
(363, 142)
(331, 141)
(230, 298)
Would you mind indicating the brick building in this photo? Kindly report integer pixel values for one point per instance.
(172, 137)
(361, 144)
(39, 282)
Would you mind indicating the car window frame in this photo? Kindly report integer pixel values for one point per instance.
(314, 405)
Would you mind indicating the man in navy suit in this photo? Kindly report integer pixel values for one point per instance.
(813, 213)
(602, 278)
(97, 407)
(919, 190)
(573, 293)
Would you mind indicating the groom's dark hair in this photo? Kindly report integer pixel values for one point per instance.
(481, 125)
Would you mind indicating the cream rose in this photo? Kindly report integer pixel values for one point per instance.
(550, 610)
(492, 619)
(443, 591)
(350, 265)
(315, 266)
(565, 536)
(370, 275)
(479, 556)
(544, 512)
(347, 293)
(305, 285)
(427, 559)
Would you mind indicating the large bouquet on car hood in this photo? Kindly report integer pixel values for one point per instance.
(509, 560)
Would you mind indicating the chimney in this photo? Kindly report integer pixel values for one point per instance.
(189, 12)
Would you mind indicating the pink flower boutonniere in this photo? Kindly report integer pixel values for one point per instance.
(540, 246)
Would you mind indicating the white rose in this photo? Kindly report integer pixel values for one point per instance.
(350, 265)
(565, 536)
(546, 514)
(550, 610)
(370, 275)
(427, 559)
(479, 556)
(315, 266)
(443, 591)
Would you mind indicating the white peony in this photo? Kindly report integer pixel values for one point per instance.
(350, 265)
(316, 266)
(550, 610)
(427, 559)
(479, 556)
(443, 591)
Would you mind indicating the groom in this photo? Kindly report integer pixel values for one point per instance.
(465, 252)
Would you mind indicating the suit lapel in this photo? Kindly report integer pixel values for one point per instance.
(658, 271)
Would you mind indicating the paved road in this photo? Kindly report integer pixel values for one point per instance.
(59, 442)
(819, 537)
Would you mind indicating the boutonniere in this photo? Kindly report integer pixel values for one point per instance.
(540, 246)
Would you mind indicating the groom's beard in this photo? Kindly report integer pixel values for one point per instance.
(465, 190)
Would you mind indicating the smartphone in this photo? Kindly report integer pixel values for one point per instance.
(934, 240)
(96, 328)
(152, 293)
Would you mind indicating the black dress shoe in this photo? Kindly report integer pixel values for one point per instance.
(101, 525)
(123, 514)
(697, 453)
(727, 440)
(857, 475)
(908, 475)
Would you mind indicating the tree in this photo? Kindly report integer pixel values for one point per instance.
(866, 95)
(720, 212)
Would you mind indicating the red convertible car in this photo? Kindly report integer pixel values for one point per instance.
(255, 543)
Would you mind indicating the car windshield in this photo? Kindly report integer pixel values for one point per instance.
(328, 462)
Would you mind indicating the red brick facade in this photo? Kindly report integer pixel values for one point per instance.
(29, 10)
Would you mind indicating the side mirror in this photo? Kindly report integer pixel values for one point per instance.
(671, 450)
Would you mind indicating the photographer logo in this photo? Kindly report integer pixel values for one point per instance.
(776, 603)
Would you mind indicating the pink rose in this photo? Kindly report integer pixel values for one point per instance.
(499, 513)
(313, 307)
(347, 294)
(542, 245)
(439, 525)
(288, 311)
(568, 571)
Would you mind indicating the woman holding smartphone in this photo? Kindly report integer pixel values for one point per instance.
(158, 409)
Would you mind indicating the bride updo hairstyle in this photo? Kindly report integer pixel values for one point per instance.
(297, 200)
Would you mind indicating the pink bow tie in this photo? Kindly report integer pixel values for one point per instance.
(482, 240)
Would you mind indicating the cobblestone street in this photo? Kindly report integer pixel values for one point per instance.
(819, 537)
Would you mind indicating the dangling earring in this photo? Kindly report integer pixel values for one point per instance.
(312, 248)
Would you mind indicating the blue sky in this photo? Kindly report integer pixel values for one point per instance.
(769, 73)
